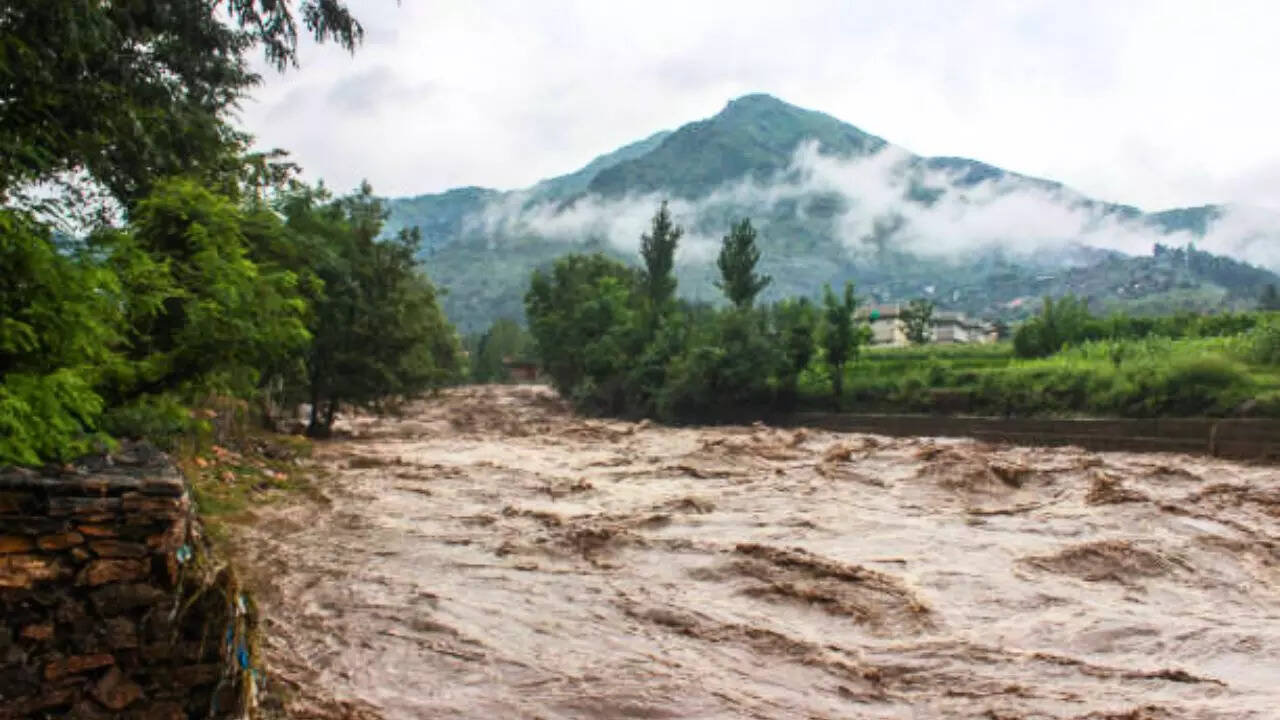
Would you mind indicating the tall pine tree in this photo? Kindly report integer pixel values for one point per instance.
(737, 262)
(658, 249)
(840, 337)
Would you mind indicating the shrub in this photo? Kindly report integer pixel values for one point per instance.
(1263, 343)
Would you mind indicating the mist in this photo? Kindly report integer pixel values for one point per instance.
(887, 199)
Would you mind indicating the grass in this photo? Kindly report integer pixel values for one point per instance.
(256, 467)
(1129, 378)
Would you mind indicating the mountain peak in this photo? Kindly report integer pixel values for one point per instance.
(755, 135)
(757, 100)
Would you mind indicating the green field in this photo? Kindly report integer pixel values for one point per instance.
(1148, 377)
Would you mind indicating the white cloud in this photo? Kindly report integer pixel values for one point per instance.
(1009, 212)
(1157, 103)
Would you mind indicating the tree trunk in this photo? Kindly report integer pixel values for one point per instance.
(315, 429)
(837, 384)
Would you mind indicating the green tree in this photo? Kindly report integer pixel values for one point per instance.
(1066, 321)
(378, 331)
(504, 339)
(217, 317)
(840, 337)
(1270, 298)
(737, 262)
(583, 318)
(658, 250)
(59, 333)
(917, 316)
(726, 365)
(129, 92)
(796, 322)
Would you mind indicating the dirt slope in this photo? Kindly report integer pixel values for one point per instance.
(490, 555)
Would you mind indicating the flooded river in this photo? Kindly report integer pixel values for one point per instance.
(490, 555)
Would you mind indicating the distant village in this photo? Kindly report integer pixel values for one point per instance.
(889, 329)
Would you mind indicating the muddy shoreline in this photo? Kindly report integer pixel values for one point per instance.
(491, 555)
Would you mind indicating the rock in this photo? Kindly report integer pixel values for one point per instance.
(171, 539)
(134, 502)
(168, 485)
(113, 600)
(194, 675)
(18, 503)
(97, 530)
(120, 633)
(51, 698)
(41, 631)
(34, 525)
(158, 651)
(15, 544)
(76, 664)
(1248, 408)
(107, 484)
(97, 508)
(165, 710)
(61, 541)
(89, 710)
(118, 549)
(139, 454)
(70, 612)
(101, 572)
(116, 691)
(24, 571)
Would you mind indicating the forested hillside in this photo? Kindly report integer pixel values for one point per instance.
(833, 204)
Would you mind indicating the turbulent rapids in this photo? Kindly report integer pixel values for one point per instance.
(490, 555)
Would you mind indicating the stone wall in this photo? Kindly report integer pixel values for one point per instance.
(1241, 439)
(111, 607)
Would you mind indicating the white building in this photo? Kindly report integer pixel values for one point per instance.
(888, 328)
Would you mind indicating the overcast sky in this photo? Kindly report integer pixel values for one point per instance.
(1158, 104)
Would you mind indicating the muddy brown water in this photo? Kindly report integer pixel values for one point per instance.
(490, 555)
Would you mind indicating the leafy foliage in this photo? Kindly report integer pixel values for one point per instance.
(1068, 321)
(131, 92)
(222, 315)
(598, 340)
(583, 317)
(58, 328)
(490, 350)
(377, 325)
(1262, 343)
(210, 284)
(917, 317)
(1269, 299)
(840, 338)
(737, 262)
(658, 250)
(796, 321)
(591, 329)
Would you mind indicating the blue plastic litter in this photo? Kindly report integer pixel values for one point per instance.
(242, 655)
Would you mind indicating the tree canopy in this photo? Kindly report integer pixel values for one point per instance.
(737, 262)
(220, 277)
(840, 337)
(131, 92)
(658, 251)
(917, 319)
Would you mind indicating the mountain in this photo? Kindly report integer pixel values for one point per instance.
(835, 203)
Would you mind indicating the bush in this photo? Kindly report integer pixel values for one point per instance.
(59, 330)
(1263, 343)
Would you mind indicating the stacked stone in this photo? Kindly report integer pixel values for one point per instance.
(91, 583)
